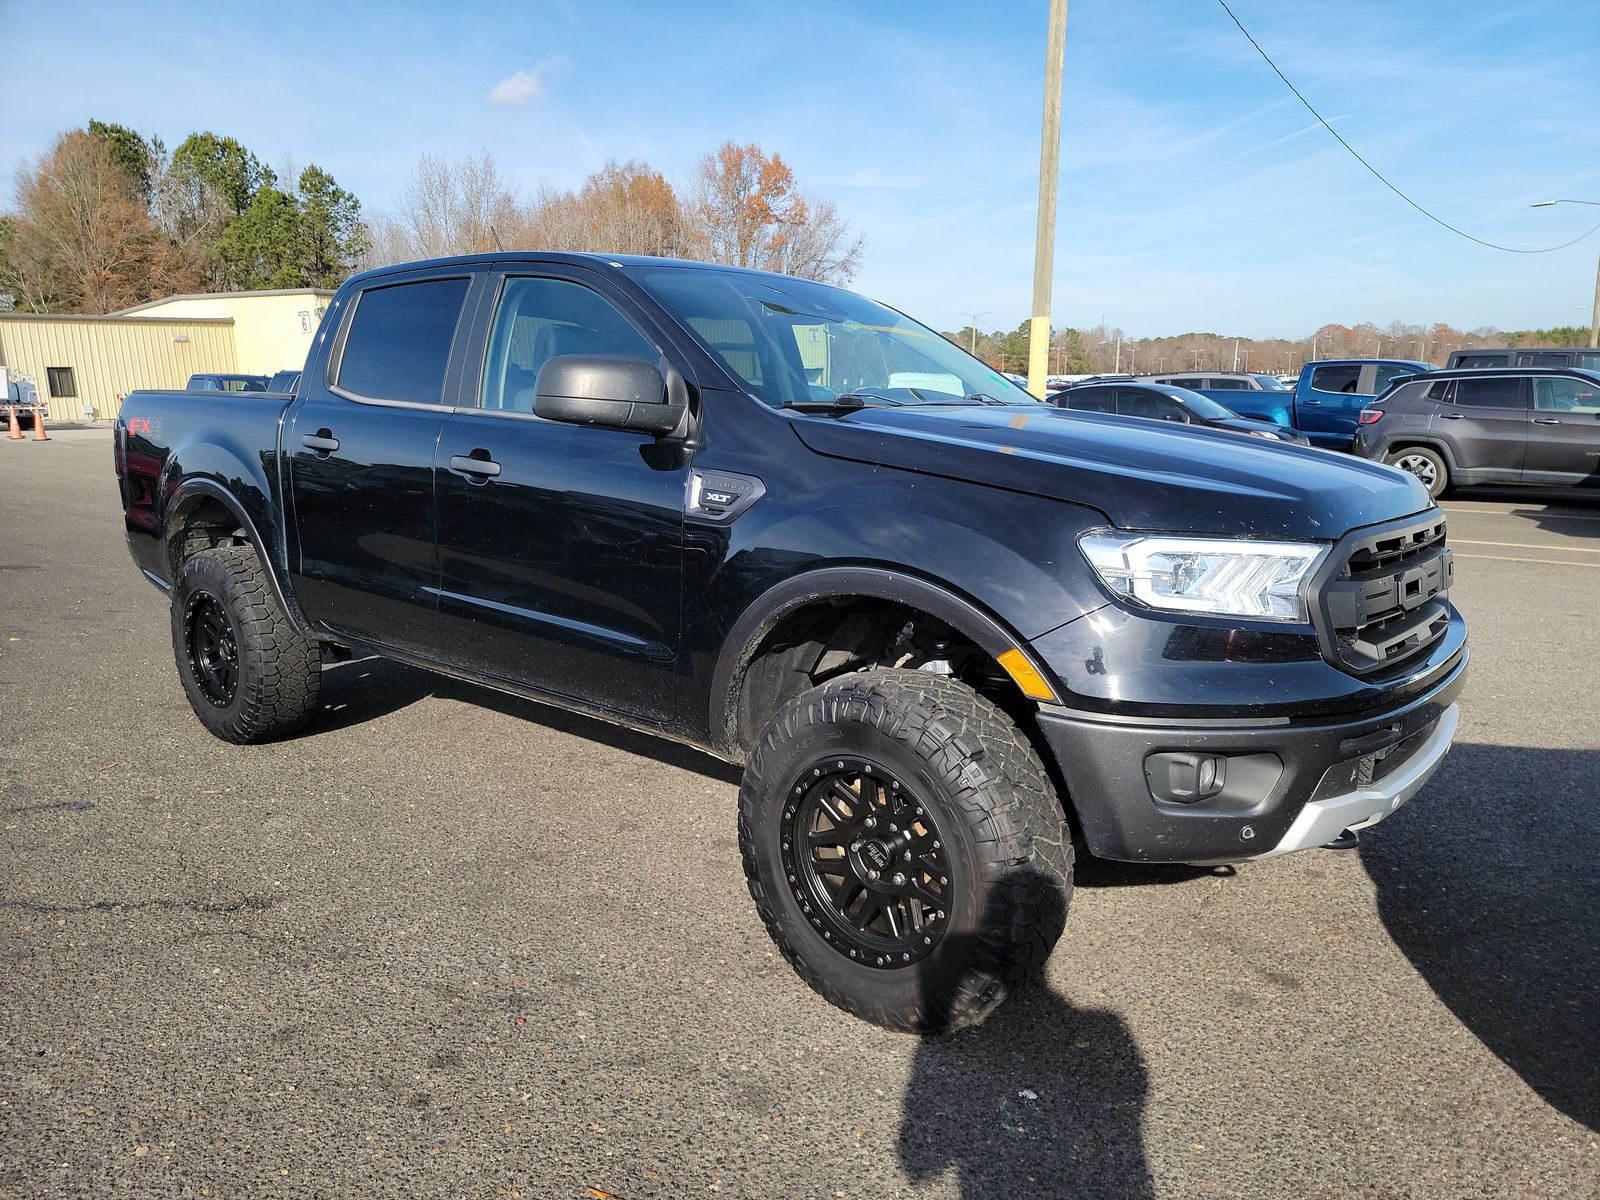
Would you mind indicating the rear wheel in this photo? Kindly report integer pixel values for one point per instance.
(1427, 465)
(905, 848)
(249, 674)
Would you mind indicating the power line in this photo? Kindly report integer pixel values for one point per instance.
(1378, 175)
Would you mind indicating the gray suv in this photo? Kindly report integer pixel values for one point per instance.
(1519, 425)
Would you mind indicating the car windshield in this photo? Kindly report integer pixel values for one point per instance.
(792, 341)
(1203, 407)
(1271, 383)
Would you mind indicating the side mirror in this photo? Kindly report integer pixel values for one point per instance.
(612, 391)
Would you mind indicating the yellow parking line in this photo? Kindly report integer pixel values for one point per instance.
(1525, 546)
(1552, 562)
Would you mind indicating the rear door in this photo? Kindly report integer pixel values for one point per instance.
(1486, 424)
(1326, 406)
(560, 546)
(1563, 430)
(361, 451)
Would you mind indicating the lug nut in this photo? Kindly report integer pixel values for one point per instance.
(899, 878)
(870, 822)
(872, 874)
(855, 847)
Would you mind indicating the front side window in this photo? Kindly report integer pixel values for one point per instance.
(1137, 402)
(1387, 375)
(1500, 392)
(1587, 359)
(398, 344)
(538, 319)
(791, 341)
(1190, 381)
(1548, 359)
(1341, 377)
(62, 384)
(1565, 394)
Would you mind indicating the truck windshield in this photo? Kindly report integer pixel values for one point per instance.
(795, 342)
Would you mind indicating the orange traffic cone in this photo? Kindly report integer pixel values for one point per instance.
(13, 425)
(39, 435)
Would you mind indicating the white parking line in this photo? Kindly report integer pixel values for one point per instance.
(1525, 546)
(1551, 562)
(1507, 512)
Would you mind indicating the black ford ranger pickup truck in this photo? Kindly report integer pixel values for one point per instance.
(951, 633)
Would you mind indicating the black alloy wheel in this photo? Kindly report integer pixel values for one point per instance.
(213, 648)
(866, 862)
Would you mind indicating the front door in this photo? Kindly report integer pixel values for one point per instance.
(360, 445)
(1564, 431)
(561, 546)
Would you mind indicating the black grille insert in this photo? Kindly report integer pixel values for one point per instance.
(1381, 600)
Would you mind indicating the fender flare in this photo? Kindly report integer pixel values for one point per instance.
(193, 490)
(1427, 441)
(985, 630)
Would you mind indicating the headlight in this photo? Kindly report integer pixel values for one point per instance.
(1221, 576)
(1266, 433)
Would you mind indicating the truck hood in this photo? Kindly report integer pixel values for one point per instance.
(1141, 475)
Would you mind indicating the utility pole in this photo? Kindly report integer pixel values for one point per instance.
(1594, 319)
(973, 326)
(1049, 174)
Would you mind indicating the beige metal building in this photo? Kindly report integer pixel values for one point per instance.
(87, 363)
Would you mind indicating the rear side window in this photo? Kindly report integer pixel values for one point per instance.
(1501, 392)
(1549, 359)
(1097, 400)
(1438, 391)
(398, 343)
(1229, 385)
(1341, 377)
(1192, 381)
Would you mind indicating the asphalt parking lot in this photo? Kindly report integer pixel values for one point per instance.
(447, 943)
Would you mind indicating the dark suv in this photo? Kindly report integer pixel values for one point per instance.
(1128, 397)
(1520, 425)
(1508, 356)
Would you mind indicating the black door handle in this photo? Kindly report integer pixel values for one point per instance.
(1546, 421)
(322, 441)
(478, 464)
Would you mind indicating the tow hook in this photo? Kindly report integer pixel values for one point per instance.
(1348, 840)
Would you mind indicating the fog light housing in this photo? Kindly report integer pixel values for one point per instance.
(1185, 777)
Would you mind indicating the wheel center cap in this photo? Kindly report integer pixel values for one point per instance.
(876, 855)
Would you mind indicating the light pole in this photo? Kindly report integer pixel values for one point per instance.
(1044, 246)
(1594, 316)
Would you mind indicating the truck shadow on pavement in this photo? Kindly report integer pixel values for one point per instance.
(1490, 887)
(1043, 1099)
(366, 689)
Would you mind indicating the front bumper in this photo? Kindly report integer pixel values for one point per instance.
(1290, 784)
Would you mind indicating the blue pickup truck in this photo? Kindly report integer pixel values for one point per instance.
(1323, 404)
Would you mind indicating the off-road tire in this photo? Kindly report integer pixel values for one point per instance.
(1432, 461)
(1008, 843)
(278, 669)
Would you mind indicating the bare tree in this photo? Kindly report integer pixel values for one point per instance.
(81, 238)
(446, 207)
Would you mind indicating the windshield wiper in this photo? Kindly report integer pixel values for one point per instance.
(843, 402)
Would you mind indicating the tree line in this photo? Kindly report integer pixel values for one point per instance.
(739, 205)
(109, 218)
(1104, 349)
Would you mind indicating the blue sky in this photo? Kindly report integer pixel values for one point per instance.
(1196, 193)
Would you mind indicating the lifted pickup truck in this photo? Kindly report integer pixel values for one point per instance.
(947, 630)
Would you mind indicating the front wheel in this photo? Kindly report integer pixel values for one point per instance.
(1426, 465)
(905, 848)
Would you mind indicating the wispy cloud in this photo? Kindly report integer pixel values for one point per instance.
(528, 85)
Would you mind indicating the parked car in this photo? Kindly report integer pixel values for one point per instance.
(1130, 397)
(285, 382)
(226, 383)
(1206, 382)
(1517, 425)
(1324, 401)
(1507, 356)
(708, 503)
